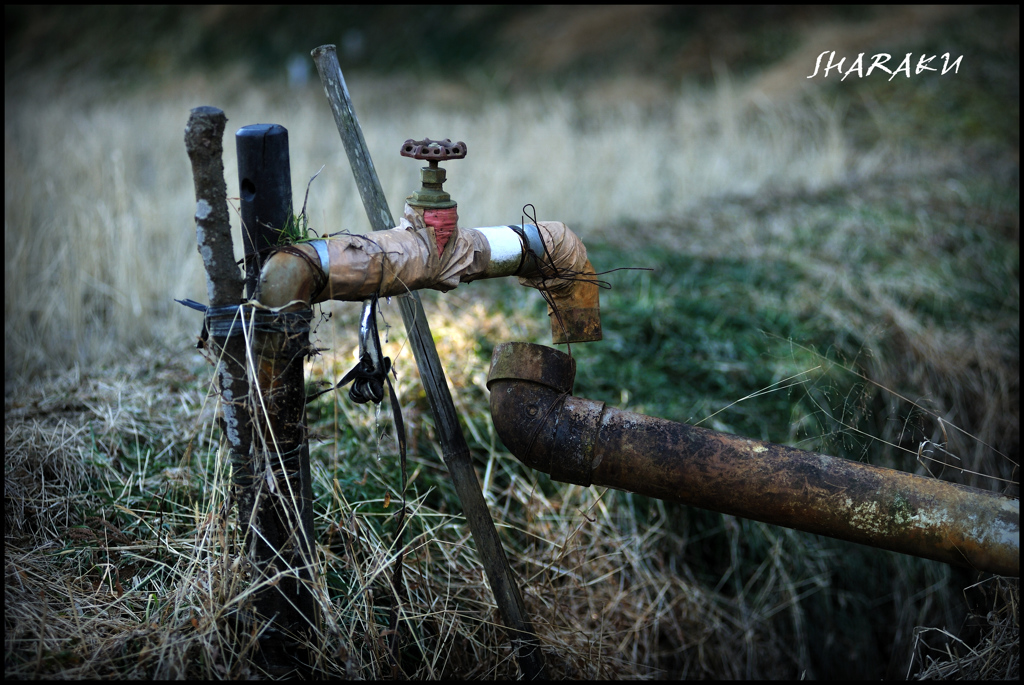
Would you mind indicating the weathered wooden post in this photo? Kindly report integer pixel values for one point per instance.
(282, 543)
(264, 180)
(204, 143)
(503, 582)
(266, 431)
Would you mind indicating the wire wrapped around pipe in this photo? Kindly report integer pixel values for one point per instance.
(227, 320)
(393, 262)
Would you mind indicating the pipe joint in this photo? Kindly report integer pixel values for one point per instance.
(530, 386)
(546, 256)
(324, 254)
(533, 250)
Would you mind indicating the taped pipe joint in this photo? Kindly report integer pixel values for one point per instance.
(433, 252)
(585, 442)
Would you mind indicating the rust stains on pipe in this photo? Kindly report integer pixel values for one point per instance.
(578, 317)
(562, 269)
(585, 442)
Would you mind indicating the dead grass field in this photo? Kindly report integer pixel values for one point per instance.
(99, 188)
(119, 558)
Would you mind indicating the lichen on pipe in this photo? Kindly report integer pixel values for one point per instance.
(585, 442)
(405, 258)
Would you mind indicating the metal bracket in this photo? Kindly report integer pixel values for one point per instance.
(533, 252)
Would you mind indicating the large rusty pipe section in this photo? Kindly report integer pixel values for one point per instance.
(585, 442)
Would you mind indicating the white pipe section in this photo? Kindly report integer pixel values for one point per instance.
(506, 247)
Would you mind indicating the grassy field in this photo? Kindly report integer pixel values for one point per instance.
(836, 270)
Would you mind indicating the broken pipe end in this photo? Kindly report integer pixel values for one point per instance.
(578, 317)
(530, 387)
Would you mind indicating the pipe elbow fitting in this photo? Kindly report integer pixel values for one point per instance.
(535, 415)
(287, 279)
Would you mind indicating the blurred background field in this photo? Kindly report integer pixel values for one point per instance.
(835, 266)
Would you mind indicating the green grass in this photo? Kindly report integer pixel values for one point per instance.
(686, 339)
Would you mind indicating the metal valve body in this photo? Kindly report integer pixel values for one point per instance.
(432, 195)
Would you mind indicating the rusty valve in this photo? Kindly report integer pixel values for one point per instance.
(433, 150)
(432, 194)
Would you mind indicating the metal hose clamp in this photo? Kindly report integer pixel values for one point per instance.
(533, 249)
(325, 256)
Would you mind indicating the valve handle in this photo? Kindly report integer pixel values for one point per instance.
(433, 150)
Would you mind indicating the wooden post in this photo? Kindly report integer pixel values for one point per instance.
(283, 549)
(265, 184)
(453, 443)
(204, 144)
(275, 513)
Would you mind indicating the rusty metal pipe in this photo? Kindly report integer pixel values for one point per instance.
(585, 442)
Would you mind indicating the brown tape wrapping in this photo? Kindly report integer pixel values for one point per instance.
(405, 258)
(568, 277)
(396, 261)
(564, 254)
(389, 262)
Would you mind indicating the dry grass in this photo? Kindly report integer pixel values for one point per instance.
(134, 576)
(996, 656)
(119, 558)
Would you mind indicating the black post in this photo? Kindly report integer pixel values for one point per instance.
(264, 179)
(282, 546)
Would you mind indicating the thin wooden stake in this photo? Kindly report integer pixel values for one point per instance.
(204, 136)
(453, 443)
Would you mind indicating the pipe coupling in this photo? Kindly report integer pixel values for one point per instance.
(324, 254)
